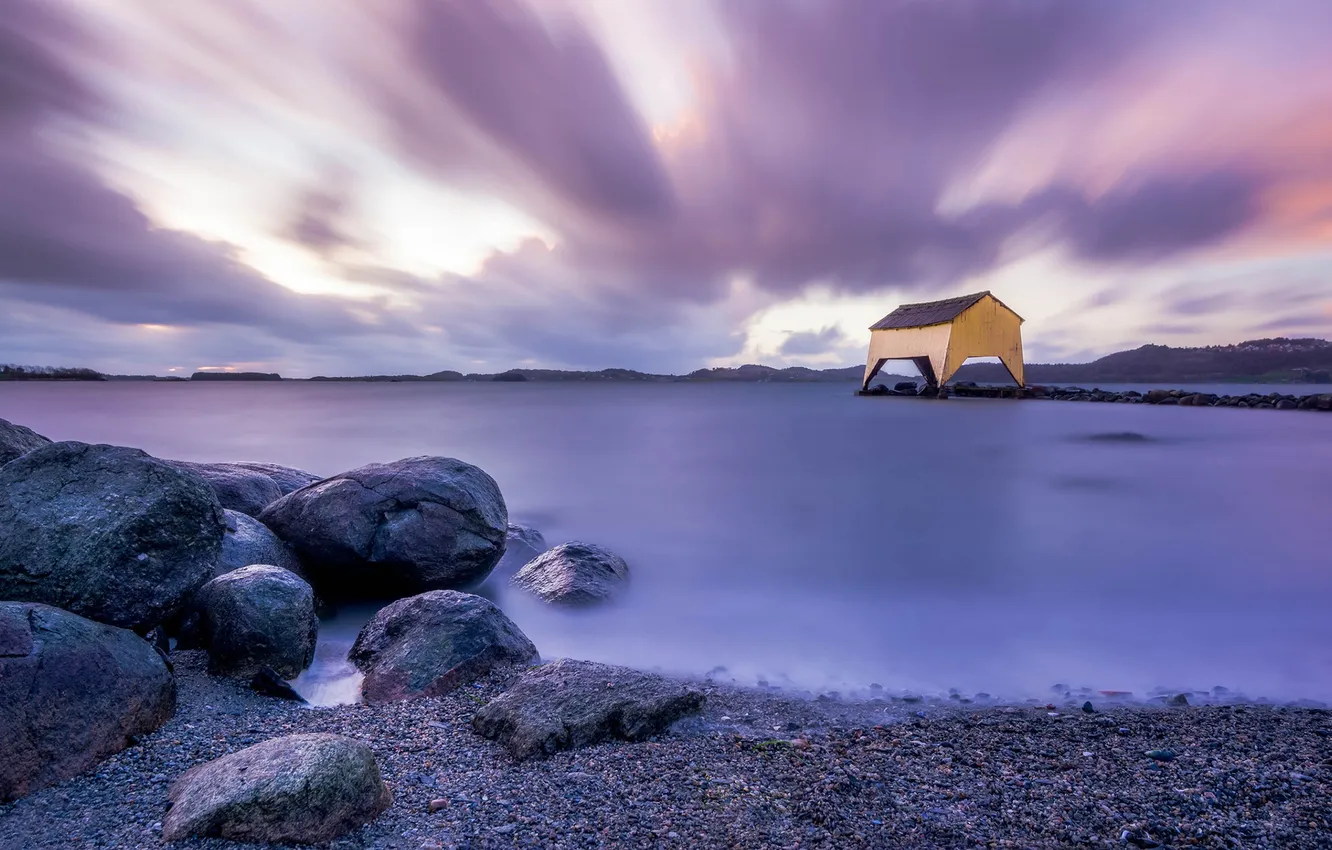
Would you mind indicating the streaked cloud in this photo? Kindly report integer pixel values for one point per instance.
(425, 184)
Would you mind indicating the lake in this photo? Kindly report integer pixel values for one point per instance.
(798, 535)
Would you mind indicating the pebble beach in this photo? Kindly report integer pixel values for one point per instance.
(754, 769)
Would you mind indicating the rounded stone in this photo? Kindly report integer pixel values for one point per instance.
(72, 692)
(429, 644)
(238, 488)
(105, 532)
(574, 574)
(248, 541)
(304, 789)
(393, 529)
(259, 616)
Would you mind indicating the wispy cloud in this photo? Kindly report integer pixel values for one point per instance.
(850, 148)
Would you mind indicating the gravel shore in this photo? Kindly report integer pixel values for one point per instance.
(756, 769)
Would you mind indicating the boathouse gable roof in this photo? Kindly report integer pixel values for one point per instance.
(928, 313)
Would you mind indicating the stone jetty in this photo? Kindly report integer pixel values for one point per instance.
(1182, 398)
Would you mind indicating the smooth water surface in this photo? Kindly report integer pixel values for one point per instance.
(807, 537)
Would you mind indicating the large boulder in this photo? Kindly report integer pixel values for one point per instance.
(288, 479)
(255, 617)
(18, 440)
(574, 574)
(393, 529)
(248, 541)
(237, 487)
(72, 692)
(106, 532)
(568, 704)
(427, 645)
(305, 789)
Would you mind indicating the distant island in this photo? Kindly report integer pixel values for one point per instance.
(1266, 361)
(10, 372)
(235, 376)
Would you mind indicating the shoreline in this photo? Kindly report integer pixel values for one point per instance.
(753, 769)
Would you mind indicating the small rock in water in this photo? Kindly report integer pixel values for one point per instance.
(574, 574)
(1161, 755)
(1087, 708)
(1179, 699)
(1120, 437)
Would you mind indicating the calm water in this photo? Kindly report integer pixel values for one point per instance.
(798, 534)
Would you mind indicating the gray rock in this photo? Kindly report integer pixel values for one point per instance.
(429, 644)
(299, 788)
(1120, 437)
(423, 523)
(569, 704)
(237, 487)
(71, 693)
(249, 541)
(574, 574)
(105, 532)
(17, 440)
(288, 479)
(258, 616)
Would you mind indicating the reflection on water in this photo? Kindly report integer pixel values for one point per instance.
(797, 534)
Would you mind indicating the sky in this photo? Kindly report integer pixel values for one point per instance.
(346, 187)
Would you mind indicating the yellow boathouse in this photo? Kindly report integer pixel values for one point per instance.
(939, 336)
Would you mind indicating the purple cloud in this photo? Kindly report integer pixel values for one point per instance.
(321, 218)
(547, 98)
(1201, 305)
(825, 138)
(68, 240)
(813, 342)
(830, 135)
(1164, 215)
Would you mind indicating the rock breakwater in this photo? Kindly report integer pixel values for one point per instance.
(1179, 397)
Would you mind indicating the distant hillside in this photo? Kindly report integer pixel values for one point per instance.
(1275, 361)
(767, 374)
(235, 376)
(751, 374)
(1258, 361)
